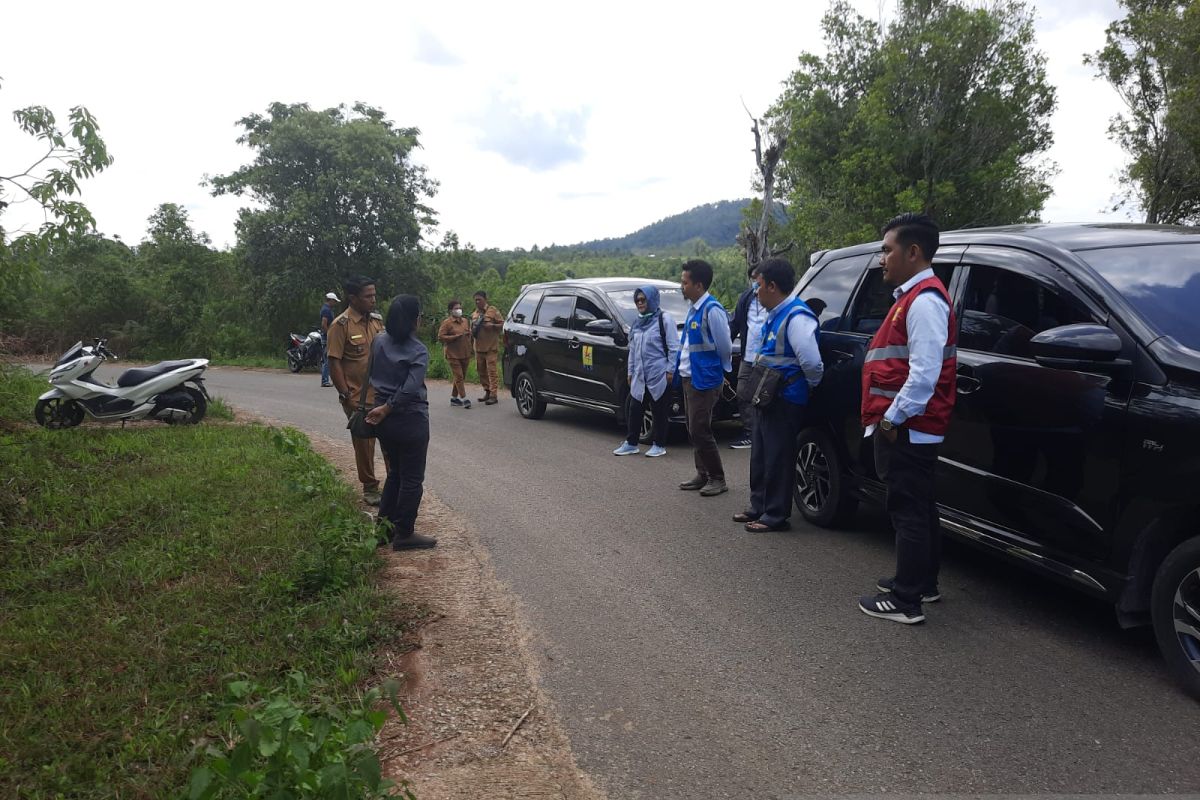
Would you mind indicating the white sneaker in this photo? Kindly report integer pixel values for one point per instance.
(656, 451)
(626, 449)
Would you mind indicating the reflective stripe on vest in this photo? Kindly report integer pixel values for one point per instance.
(901, 351)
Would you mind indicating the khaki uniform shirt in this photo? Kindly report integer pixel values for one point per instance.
(488, 339)
(350, 338)
(461, 346)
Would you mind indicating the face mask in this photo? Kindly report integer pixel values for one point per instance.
(646, 314)
(456, 313)
(754, 286)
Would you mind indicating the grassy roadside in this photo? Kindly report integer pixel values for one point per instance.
(143, 572)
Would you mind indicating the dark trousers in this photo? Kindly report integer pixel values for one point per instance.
(699, 406)
(662, 411)
(404, 438)
(909, 471)
(745, 407)
(773, 460)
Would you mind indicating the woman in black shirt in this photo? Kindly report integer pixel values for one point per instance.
(398, 364)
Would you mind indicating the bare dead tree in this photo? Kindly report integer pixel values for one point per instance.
(754, 237)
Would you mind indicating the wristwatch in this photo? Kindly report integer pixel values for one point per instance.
(343, 397)
(886, 425)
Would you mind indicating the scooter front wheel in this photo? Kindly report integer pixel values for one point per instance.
(58, 412)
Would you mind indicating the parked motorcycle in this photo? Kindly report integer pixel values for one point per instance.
(170, 391)
(306, 351)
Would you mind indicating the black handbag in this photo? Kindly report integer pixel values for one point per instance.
(767, 384)
(358, 426)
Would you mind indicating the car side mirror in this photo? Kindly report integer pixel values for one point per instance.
(1084, 347)
(601, 327)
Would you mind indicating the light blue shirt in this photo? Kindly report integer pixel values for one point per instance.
(928, 325)
(648, 363)
(718, 326)
(756, 315)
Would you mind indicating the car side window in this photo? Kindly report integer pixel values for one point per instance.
(1003, 310)
(875, 298)
(827, 293)
(555, 311)
(586, 311)
(522, 312)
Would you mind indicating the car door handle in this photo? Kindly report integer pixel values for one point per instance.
(533, 335)
(965, 381)
(574, 344)
(839, 357)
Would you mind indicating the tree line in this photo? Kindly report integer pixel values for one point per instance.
(945, 109)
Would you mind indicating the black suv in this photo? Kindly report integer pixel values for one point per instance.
(568, 342)
(1074, 447)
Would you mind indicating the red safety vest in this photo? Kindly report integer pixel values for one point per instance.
(885, 368)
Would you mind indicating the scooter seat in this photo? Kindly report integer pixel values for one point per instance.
(132, 377)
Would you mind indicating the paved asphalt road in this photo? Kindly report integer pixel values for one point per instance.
(690, 659)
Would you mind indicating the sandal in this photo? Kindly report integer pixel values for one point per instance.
(745, 516)
(762, 527)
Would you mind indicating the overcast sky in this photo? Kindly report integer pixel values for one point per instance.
(543, 122)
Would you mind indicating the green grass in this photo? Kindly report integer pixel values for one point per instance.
(140, 568)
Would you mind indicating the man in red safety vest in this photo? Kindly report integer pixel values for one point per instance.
(908, 386)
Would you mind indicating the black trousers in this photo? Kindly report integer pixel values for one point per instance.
(404, 438)
(909, 471)
(662, 411)
(773, 460)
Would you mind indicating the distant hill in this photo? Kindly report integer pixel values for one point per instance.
(715, 223)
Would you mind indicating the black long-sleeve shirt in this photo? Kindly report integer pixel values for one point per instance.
(398, 373)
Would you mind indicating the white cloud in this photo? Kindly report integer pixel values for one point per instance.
(543, 122)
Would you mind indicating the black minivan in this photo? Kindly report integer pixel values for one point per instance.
(567, 342)
(1074, 446)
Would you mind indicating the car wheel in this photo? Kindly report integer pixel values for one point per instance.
(1175, 607)
(820, 489)
(529, 405)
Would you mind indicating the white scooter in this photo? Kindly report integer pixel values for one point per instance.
(170, 391)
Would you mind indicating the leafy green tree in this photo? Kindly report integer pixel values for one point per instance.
(50, 183)
(337, 194)
(1152, 58)
(945, 110)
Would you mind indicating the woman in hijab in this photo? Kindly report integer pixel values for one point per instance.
(653, 342)
(398, 363)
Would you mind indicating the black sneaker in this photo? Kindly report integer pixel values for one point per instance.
(886, 584)
(414, 541)
(743, 443)
(454, 401)
(888, 606)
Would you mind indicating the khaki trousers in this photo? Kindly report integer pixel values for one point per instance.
(485, 364)
(364, 455)
(458, 366)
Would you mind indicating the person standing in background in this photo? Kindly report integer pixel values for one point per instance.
(486, 324)
(327, 315)
(455, 336)
(705, 355)
(748, 318)
(350, 338)
(652, 348)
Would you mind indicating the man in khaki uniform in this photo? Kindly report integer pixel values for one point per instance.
(486, 324)
(350, 338)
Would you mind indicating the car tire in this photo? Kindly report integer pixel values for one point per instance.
(1175, 608)
(820, 490)
(529, 404)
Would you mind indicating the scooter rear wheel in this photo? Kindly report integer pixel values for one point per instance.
(57, 413)
(199, 408)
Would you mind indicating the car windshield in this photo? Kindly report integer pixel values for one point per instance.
(670, 299)
(1161, 281)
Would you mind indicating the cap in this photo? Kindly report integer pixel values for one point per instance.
(331, 296)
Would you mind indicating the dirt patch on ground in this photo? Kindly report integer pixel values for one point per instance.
(479, 725)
